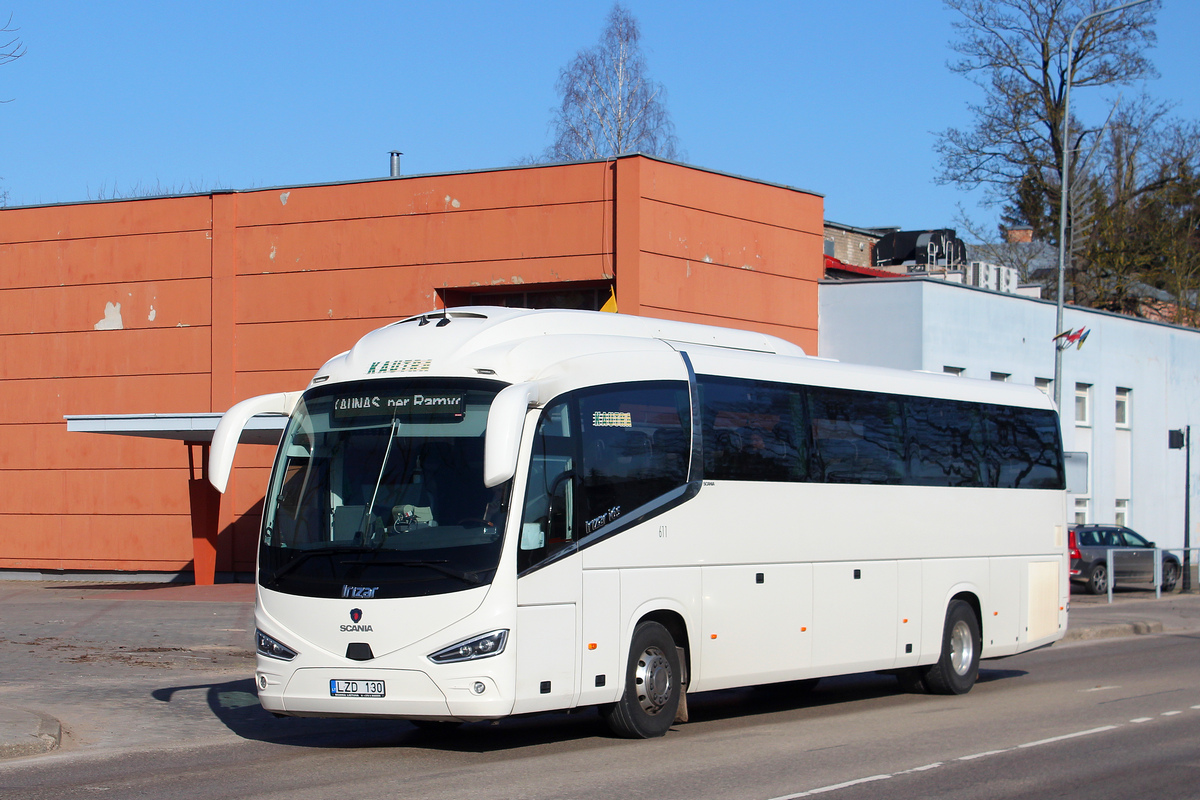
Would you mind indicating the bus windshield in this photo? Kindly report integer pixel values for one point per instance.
(377, 491)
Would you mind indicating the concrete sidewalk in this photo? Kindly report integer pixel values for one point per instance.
(27, 732)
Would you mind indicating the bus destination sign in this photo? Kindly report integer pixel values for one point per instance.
(414, 404)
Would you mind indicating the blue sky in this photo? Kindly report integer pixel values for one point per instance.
(838, 98)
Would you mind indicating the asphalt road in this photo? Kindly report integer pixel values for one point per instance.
(1118, 718)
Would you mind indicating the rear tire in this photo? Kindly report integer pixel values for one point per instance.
(958, 666)
(1097, 580)
(652, 689)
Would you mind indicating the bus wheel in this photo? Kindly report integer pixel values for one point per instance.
(958, 666)
(652, 689)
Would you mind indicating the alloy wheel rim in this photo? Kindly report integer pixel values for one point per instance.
(652, 680)
(962, 647)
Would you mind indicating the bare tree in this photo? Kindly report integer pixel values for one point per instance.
(13, 48)
(1016, 51)
(609, 104)
(1132, 188)
(10, 50)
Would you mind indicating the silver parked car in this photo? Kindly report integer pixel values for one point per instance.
(1089, 546)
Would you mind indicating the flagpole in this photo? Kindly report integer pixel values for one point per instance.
(1065, 188)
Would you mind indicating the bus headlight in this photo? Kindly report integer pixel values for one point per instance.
(484, 646)
(270, 648)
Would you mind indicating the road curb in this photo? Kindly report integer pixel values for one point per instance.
(1111, 630)
(27, 733)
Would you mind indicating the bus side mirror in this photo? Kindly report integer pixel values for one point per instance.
(229, 431)
(502, 442)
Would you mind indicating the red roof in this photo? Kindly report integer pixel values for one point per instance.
(833, 263)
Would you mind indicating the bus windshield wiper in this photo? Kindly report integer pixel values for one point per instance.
(304, 555)
(466, 577)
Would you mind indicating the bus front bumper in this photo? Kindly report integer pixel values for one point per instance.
(386, 693)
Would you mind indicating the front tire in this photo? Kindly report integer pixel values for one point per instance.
(958, 666)
(652, 689)
(1170, 576)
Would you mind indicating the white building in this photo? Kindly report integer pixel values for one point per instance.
(1123, 390)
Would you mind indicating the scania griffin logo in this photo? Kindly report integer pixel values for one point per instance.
(355, 616)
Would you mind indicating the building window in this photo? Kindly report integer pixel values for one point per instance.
(1045, 384)
(1121, 517)
(1001, 376)
(1083, 404)
(1081, 510)
(1122, 409)
(955, 371)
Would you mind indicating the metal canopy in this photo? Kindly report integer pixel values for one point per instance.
(192, 428)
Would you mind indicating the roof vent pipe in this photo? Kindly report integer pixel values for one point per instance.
(396, 163)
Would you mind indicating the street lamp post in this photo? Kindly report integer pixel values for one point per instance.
(1065, 190)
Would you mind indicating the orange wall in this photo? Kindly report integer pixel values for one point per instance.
(721, 250)
(230, 295)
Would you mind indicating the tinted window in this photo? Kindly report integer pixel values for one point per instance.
(598, 456)
(635, 448)
(1023, 448)
(760, 431)
(945, 442)
(857, 436)
(753, 431)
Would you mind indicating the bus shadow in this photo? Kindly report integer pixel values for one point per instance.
(235, 704)
(797, 695)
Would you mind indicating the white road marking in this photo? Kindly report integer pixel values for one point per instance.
(1100, 688)
(833, 787)
(984, 755)
(934, 765)
(873, 778)
(1066, 736)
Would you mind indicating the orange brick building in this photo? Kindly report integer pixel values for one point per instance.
(192, 303)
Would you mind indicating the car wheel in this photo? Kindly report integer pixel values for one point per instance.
(1170, 575)
(1097, 580)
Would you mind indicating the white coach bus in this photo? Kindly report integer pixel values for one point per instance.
(484, 512)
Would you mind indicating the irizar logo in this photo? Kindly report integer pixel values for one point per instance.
(355, 616)
(359, 592)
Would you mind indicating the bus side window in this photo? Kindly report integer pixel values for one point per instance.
(1023, 448)
(547, 522)
(635, 448)
(857, 436)
(945, 442)
(750, 430)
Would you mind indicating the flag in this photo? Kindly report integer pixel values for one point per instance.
(1072, 337)
(611, 303)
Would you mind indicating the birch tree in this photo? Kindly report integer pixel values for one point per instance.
(609, 104)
